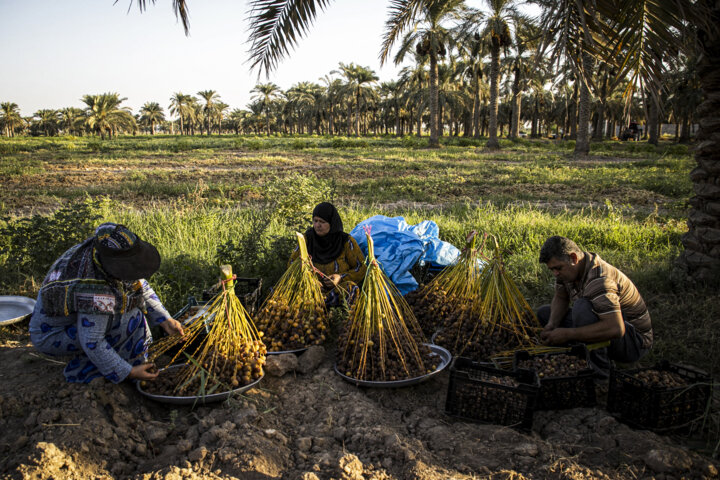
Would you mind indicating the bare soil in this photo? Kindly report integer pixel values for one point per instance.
(312, 426)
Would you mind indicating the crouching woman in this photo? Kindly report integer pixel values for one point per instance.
(94, 304)
(335, 254)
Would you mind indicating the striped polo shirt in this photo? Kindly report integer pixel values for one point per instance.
(609, 290)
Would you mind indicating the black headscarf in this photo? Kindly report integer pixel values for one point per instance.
(325, 249)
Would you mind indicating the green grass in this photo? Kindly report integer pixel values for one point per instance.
(204, 200)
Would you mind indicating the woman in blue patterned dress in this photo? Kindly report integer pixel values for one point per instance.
(94, 304)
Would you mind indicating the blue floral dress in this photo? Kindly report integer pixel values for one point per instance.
(99, 343)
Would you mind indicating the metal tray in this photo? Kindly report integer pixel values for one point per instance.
(14, 309)
(280, 352)
(191, 400)
(445, 359)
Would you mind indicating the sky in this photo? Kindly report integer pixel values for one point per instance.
(53, 52)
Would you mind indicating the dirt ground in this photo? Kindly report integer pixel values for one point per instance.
(303, 426)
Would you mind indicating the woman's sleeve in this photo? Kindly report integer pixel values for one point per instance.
(156, 312)
(355, 260)
(96, 345)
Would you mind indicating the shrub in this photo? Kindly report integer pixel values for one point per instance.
(293, 198)
(30, 245)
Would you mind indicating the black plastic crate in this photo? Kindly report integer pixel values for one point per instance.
(560, 392)
(659, 408)
(475, 394)
(248, 290)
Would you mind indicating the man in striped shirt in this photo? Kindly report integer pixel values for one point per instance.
(606, 305)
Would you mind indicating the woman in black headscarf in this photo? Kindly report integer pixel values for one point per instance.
(334, 253)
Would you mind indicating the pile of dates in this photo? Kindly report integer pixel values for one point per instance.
(285, 328)
(559, 365)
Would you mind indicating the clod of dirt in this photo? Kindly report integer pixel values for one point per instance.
(279, 365)
(311, 359)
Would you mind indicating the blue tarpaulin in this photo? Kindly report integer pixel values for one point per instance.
(399, 246)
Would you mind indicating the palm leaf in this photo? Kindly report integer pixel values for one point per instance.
(276, 26)
(179, 7)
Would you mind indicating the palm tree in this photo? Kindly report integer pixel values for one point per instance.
(182, 106)
(104, 115)
(429, 36)
(360, 81)
(221, 109)
(72, 120)
(568, 26)
(47, 120)
(265, 93)
(152, 113)
(497, 36)
(10, 118)
(209, 109)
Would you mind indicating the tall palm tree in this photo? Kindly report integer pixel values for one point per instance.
(221, 109)
(265, 93)
(360, 81)
(429, 35)
(182, 106)
(569, 27)
(498, 36)
(104, 114)
(10, 117)
(151, 114)
(209, 108)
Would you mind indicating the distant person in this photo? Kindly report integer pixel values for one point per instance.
(335, 254)
(634, 130)
(605, 306)
(93, 306)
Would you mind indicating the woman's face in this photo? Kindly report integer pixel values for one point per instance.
(320, 226)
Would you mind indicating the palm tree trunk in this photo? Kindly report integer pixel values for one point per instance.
(357, 112)
(476, 108)
(582, 143)
(515, 104)
(434, 142)
(701, 258)
(653, 119)
(494, 93)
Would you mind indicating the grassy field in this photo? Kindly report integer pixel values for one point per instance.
(205, 201)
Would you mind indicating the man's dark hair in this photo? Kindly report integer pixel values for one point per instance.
(558, 247)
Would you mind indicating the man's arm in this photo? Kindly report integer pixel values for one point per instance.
(610, 326)
(558, 308)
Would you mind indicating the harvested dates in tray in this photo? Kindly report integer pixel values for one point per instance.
(566, 378)
(482, 393)
(661, 398)
(217, 377)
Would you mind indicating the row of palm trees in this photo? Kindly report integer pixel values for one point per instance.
(351, 101)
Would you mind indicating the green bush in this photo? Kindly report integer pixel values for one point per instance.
(293, 198)
(30, 245)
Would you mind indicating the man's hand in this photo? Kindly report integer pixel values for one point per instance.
(172, 327)
(146, 371)
(555, 336)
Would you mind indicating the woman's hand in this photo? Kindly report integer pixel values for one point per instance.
(172, 327)
(331, 281)
(145, 371)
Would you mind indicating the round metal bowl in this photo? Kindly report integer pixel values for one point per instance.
(196, 399)
(445, 359)
(14, 309)
(297, 351)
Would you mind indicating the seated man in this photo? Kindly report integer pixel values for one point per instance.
(606, 306)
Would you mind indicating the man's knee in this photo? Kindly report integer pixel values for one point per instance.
(582, 313)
